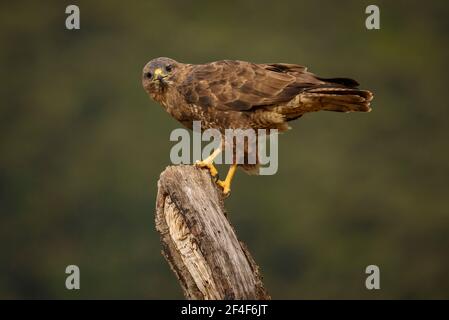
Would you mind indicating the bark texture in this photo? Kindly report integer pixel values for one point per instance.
(198, 240)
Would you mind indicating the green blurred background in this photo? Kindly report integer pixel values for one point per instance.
(82, 147)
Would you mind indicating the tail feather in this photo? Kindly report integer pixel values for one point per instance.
(346, 82)
(339, 99)
(333, 94)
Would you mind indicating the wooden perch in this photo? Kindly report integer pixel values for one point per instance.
(198, 241)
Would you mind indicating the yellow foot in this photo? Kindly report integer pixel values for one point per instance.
(209, 165)
(226, 186)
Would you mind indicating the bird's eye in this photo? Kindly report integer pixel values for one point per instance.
(149, 75)
(169, 68)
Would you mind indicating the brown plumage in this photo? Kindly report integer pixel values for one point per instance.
(238, 94)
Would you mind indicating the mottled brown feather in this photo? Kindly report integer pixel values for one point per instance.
(242, 86)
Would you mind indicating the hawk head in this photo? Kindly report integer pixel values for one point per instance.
(158, 74)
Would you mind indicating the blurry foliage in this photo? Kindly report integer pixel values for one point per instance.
(82, 147)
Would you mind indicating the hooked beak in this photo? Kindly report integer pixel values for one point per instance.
(158, 75)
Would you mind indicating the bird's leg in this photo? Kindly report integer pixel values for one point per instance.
(226, 184)
(209, 162)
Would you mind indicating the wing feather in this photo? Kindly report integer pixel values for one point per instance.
(241, 86)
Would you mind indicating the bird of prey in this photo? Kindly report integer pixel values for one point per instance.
(243, 95)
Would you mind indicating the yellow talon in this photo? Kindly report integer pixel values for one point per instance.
(226, 183)
(209, 165)
(209, 162)
(226, 186)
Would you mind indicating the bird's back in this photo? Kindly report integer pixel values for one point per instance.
(288, 89)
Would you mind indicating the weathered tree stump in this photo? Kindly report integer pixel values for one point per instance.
(198, 241)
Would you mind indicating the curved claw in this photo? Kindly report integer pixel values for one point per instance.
(209, 165)
(226, 186)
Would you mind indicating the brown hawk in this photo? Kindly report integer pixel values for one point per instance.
(241, 95)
